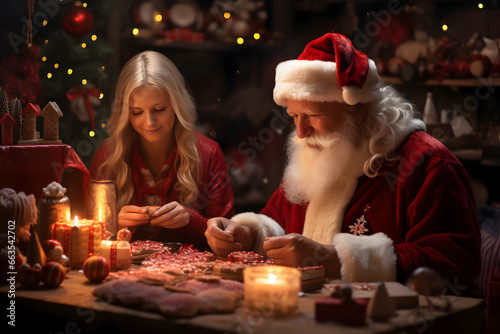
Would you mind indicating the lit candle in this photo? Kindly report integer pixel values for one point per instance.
(117, 253)
(272, 290)
(79, 238)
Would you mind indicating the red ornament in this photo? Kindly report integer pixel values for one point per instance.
(460, 69)
(53, 274)
(53, 249)
(96, 268)
(29, 276)
(77, 21)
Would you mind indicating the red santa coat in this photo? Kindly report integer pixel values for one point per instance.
(215, 198)
(420, 214)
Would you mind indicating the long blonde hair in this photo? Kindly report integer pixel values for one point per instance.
(152, 68)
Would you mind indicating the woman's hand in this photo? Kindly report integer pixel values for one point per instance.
(171, 215)
(131, 215)
(295, 250)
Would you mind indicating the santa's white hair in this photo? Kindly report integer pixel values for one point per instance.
(390, 119)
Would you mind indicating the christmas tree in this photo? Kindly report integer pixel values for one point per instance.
(74, 71)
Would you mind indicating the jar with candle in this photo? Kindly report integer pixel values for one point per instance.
(272, 291)
(54, 206)
(101, 204)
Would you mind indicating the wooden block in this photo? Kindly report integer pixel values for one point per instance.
(312, 272)
(313, 284)
(233, 271)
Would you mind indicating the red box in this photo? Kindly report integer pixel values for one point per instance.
(335, 309)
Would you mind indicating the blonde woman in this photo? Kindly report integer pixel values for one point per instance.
(170, 179)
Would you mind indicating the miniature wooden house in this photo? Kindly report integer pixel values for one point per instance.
(4, 106)
(15, 110)
(51, 114)
(30, 113)
(7, 123)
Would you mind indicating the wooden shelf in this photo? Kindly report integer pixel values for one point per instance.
(205, 45)
(472, 82)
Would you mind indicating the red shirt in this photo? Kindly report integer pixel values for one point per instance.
(215, 198)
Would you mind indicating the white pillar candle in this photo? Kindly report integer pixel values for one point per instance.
(117, 253)
(272, 290)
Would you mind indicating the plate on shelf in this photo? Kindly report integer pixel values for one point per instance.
(185, 14)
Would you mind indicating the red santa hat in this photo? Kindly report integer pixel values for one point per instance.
(329, 69)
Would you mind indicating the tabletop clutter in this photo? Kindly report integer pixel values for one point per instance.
(178, 280)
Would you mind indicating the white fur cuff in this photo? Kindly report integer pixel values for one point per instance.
(367, 258)
(262, 227)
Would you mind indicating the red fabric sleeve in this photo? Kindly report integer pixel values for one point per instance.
(291, 217)
(443, 232)
(275, 201)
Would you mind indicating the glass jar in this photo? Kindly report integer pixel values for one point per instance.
(53, 207)
(101, 204)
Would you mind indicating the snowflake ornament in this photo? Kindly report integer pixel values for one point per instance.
(359, 228)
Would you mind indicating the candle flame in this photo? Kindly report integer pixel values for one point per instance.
(76, 220)
(272, 278)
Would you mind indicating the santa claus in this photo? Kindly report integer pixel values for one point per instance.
(366, 191)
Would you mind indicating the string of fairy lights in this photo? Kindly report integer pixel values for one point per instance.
(158, 18)
(135, 31)
(69, 70)
(445, 26)
(227, 15)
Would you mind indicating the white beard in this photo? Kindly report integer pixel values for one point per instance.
(312, 170)
(325, 179)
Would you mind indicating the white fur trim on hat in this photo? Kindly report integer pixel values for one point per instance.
(316, 81)
(366, 258)
(262, 227)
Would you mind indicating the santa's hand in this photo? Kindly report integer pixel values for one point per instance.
(131, 215)
(225, 236)
(171, 215)
(295, 250)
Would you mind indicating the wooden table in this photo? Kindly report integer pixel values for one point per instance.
(71, 309)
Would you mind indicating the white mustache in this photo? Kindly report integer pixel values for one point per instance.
(322, 141)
